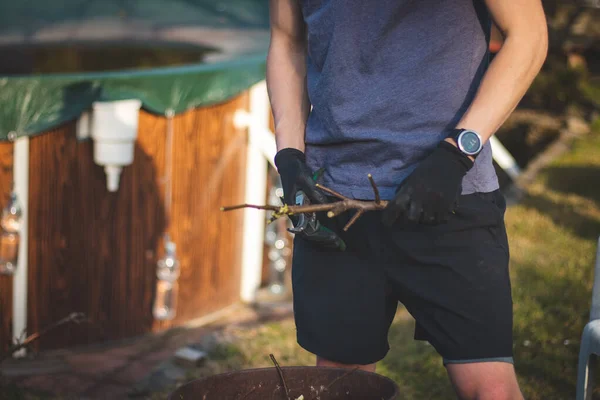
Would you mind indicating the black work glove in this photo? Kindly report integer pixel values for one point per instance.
(431, 192)
(296, 176)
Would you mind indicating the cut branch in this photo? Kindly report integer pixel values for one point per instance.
(353, 370)
(343, 206)
(73, 317)
(326, 388)
(249, 392)
(353, 219)
(375, 190)
(332, 192)
(333, 209)
(270, 208)
(280, 372)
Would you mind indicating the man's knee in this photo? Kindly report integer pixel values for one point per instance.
(489, 391)
(485, 381)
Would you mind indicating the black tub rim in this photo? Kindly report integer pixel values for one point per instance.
(395, 395)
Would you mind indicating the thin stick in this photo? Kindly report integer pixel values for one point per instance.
(248, 393)
(375, 190)
(331, 192)
(270, 208)
(333, 382)
(353, 219)
(280, 372)
(340, 377)
(333, 209)
(314, 207)
(73, 317)
(338, 207)
(343, 206)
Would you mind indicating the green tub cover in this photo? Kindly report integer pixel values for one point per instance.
(231, 38)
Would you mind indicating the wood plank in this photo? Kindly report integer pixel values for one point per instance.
(6, 285)
(96, 252)
(208, 172)
(91, 250)
(53, 160)
(153, 220)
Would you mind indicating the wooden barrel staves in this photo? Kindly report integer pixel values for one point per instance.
(303, 383)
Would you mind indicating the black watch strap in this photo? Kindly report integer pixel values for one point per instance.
(455, 133)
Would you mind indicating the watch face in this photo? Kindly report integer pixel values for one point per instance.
(470, 142)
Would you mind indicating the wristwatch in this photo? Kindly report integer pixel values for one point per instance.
(468, 141)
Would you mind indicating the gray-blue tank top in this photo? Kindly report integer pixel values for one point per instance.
(388, 80)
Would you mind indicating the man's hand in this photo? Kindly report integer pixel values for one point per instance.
(295, 177)
(431, 192)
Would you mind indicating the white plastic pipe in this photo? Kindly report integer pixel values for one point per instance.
(504, 159)
(256, 189)
(21, 179)
(114, 130)
(262, 138)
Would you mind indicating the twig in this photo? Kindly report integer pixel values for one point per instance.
(353, 220)
(333, 209)
(249, 393)
(340, 377)
(331, 192)
(270, 208)
(337, 207)
(333, 382)
(343, 206)
(375, 190)
(73, 317)
(280, 372)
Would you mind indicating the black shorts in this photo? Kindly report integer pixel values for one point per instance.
(453, 278)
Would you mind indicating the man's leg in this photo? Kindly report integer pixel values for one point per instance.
(454, 279)
(342, 307)
(484, 381)
(321, 362)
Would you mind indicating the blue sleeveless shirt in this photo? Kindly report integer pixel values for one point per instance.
(387, 81)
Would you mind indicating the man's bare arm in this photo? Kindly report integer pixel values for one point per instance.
(524, 27)
(286, 73)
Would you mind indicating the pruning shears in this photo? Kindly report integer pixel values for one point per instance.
(306, 222)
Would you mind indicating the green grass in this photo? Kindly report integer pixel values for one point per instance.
(552, 234)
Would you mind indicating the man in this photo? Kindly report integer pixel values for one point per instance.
(402, 90)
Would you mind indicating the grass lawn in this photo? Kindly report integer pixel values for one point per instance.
(553, 234)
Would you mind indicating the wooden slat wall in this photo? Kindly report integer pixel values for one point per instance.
(95, 251)
(6, 172)
(210, 158)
